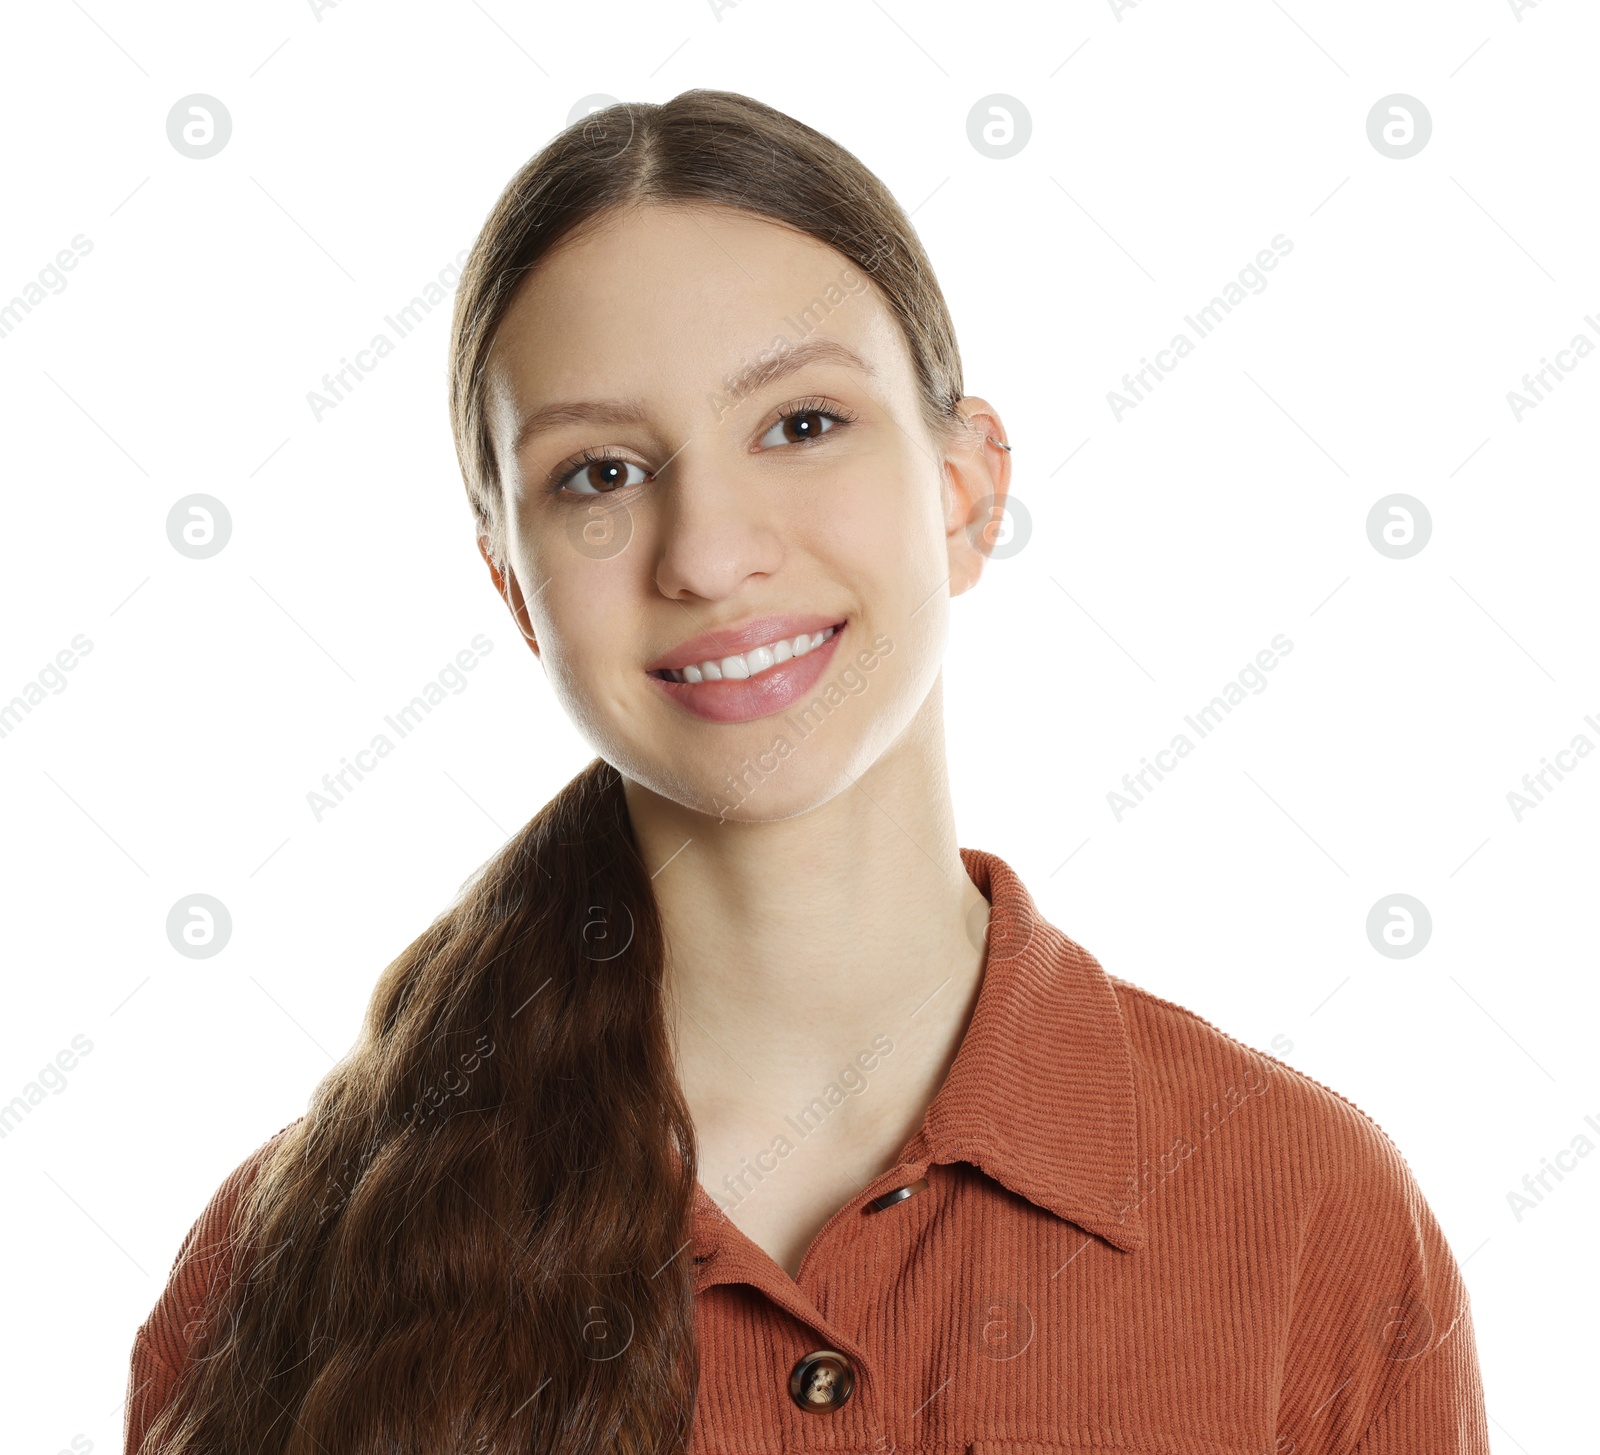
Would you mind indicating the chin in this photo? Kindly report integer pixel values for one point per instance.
(765, 787)
(766, 804)
(770, 780)
(762, 771)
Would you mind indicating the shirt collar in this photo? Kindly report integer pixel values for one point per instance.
(1041, 1095)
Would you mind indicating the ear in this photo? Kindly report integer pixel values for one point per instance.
(510, 591)
(977, 478)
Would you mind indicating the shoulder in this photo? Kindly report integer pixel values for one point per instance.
(1372, 1313)
(1373, 1283)
(1179, 1058)
(166, 1340)
(203, 1262)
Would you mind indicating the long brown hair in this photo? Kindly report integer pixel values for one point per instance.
(477, 1238)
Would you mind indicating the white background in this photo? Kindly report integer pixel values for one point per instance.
(1170, 143)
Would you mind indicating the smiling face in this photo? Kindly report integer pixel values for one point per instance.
(713, 454)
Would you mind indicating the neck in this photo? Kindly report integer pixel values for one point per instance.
(791, 944)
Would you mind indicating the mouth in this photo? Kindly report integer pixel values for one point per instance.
(763, 679)
(752, 663)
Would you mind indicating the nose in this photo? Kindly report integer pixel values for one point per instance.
(718, 526)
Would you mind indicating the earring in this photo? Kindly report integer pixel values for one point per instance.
(1003, 445)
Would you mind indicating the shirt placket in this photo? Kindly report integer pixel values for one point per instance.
(836, 1279)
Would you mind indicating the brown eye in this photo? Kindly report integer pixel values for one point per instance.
(807, 425)
(802, 425)
(600, 477)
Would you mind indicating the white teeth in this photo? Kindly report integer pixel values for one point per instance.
(748, 664)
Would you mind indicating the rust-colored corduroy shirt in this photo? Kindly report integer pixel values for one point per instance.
(1136, 1236)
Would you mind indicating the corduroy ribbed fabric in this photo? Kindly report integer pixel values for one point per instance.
(1138, 1237)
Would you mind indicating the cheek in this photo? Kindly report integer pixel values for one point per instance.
(585, 671)
(585, 629)
(884, 518)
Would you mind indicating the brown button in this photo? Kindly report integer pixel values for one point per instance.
(900, 1194)
(822, 1381)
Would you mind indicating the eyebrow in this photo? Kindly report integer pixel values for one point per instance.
(747, 381)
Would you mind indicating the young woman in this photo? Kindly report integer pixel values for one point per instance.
(732, 1107)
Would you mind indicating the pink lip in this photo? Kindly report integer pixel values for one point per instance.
(749, 698)
(722, 642)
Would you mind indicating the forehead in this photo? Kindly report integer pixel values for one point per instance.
(658, 301)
